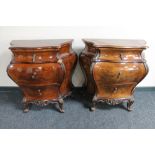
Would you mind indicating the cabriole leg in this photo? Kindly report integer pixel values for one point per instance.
(93, 104)
(61, 105)
(129, 104)
(26, 107)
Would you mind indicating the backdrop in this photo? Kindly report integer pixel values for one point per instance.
(77, 33)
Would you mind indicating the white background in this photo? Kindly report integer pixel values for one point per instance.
(118, 19)
(77, 33)
(77, 142)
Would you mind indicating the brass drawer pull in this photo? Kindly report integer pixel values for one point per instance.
(118, 75)
(40, 58)
(34, 75)
(39, 91)
(121, 56)
(59, 61)
(34, 58)
(115, 89)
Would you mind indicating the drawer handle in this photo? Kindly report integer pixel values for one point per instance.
(34, 58)
(39, 57)
(59, 61)
(34, 75)
(118, 75)
(121, 56)
(115, 89)
(39, 91)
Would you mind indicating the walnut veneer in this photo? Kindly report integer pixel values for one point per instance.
(112, 69)
(43, 70)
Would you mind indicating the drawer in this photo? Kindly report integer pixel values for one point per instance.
(115, 91)
(41, 92)
(37, 57)
(118, 73)
(36, 74)
(119, 55)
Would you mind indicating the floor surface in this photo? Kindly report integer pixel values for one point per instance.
(77, 114)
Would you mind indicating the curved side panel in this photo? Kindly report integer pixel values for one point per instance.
(69, 62)
(85, 63)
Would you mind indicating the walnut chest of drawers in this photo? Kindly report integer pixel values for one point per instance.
(43, 70)
(112, 69)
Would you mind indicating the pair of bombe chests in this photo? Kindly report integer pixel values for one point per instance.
(43, 70)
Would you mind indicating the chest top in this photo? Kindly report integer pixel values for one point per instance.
(35, 44)
(116, 43)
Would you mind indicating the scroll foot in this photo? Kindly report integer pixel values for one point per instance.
(93, 104)
(26, 108)
(61, 105)
(92, 108)
(129, 104)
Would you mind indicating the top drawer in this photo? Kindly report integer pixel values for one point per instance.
(45, 56)
(121, 55)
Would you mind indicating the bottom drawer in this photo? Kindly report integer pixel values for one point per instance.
(41, 93)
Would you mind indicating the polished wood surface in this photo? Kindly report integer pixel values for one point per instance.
(112, 69)
(48, 43)
(43, 70)
(117, 43)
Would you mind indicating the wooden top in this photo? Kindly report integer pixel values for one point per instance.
(51, 43)
(117, 43)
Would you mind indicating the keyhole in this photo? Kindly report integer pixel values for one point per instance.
(121, 56)
(118, 75)
(115, 90)
(39, 91)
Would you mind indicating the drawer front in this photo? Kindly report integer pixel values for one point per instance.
(119, 55)
(117, 92)
(106, 73)
(36, 74)
(85, 63)
(41, 93)
(69, 62)
(34, 57)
